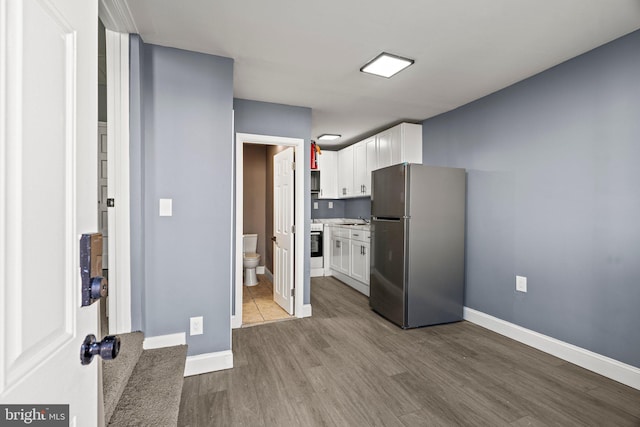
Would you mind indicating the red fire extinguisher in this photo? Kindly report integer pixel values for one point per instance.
(314, 160)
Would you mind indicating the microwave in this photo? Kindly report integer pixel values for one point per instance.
(315, 181)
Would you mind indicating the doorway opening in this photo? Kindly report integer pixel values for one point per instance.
(259, 302)
(297, 239)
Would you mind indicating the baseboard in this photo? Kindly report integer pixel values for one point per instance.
(260, 269)
(208, 362)
(236, 321)
(316, 272)
(363, 288)
(164, 341)
(605, 366)
(268, 274)
(306, 310)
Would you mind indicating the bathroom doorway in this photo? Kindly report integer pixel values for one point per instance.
(261, 174)
(251, 142)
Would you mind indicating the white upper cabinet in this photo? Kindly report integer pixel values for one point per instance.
(371, 148)
(383, 141)
(328, 166)
(399, 144)
(361, 177)
(406, 143)
(345, 172)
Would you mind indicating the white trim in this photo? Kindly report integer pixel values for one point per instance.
(605, 366)
(208, 362)
(363, 288)
(260, 269)
(306, 310)
(118, 183)
(236, 321)
(298, 144)
(116, 16)
(316, 272)
(162, 341)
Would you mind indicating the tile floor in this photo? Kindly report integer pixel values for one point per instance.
(258, 306)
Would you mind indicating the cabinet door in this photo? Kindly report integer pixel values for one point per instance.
(328, 166)
(383, 142)
(360, 261)
(371, 148)
(345, 258)
(366, 257)
(411, 143)
(358, 267)
(336, 254)
(360, 180)
(395, 142)
(345, 172)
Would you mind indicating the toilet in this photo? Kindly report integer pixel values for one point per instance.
(250, 259)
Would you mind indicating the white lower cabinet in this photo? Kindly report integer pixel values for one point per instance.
(349, 259)
(360, 261)
(340, 254)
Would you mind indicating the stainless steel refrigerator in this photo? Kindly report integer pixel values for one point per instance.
(418, 240)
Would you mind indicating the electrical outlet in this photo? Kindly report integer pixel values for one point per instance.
(521, 284)
(196, 326)
(315, 205)
(330, 205)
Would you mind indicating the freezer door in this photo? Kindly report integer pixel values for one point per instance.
(388, 264)
(389, 192)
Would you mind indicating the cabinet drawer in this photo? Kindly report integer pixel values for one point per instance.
(340, 232)
(360, 235)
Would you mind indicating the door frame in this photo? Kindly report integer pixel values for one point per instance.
(118, 182)
(298, 275)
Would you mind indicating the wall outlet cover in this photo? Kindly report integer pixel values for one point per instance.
(196, 327)
(521, 284)
(330, 205)
(166, 208)
(315, 205)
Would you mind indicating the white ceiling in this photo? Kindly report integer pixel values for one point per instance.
(308, 53)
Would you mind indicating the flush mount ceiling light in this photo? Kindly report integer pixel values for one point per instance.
(386, 65)
(328, 137)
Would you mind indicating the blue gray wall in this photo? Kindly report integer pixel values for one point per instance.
(553, 195)
(182, 150)
(265, 118)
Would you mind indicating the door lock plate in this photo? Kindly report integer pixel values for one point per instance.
(94, 286)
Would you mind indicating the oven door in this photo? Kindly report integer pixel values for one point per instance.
(316, 244)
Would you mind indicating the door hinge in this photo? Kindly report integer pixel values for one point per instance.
(293, 165)
(293, 229)
(111, 203)
(293, 292)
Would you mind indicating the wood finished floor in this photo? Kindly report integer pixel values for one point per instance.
(258, 306)
(346, 366)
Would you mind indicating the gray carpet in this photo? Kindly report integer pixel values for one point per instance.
(152, 395)
(116, 373)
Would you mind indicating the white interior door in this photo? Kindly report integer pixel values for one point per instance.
(48, 183)
(283, 248)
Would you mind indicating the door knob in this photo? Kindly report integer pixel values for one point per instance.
(108, 348)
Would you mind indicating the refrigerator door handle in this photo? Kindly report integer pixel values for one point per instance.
(385, 219)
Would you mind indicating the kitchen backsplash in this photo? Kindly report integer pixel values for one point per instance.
(343, 208)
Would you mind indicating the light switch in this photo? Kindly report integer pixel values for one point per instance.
(330, 205)
(315, 205)
(166, 207)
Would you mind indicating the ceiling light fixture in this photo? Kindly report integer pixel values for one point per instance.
(328, 137)
(386, 65)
